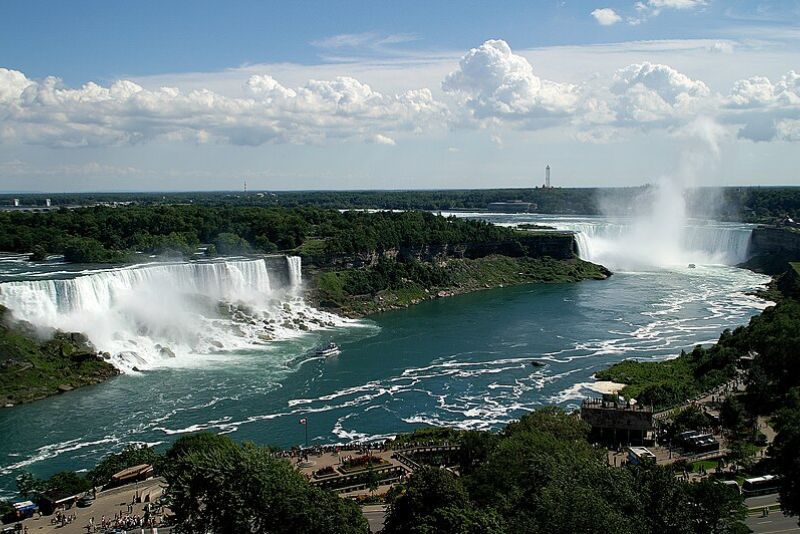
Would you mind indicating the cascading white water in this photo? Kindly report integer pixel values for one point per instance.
(623, 244)
(294, 264)
(146, 315)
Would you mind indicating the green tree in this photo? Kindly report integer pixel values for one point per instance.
(130, 456)
(68, 482)
(229, 243)
(218, 486)
(263, 244)
(85, 250)
(28, 485)
(715, 508)
(372, 480)
(784, 451)
(433, 501)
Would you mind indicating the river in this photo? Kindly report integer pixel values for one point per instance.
(464, 361)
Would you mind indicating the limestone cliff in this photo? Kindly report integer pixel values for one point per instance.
(772, 247)
(556, 245)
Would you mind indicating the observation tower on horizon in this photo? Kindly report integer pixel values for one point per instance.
(547, 177)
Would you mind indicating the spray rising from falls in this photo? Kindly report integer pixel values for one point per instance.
(625, 244)
(147, 316)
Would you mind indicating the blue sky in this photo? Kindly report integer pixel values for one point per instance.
(407, 94)
(100, 40)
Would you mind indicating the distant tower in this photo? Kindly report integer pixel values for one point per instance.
(245, 187)
(547, 177)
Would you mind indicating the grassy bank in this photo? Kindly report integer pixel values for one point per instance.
(669, 383)
(392, 284)
(32, 369)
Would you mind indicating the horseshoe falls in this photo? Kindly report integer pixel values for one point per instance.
(622, 245)
(636, 244)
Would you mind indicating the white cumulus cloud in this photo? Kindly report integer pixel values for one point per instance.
(491, 87)
(676, 4)
(652, 8)
(494, 83)
(648, 92)
(380, 139)
(766, 110)
(47, 112)
(606, 16)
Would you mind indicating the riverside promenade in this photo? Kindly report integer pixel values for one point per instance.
(107, 503)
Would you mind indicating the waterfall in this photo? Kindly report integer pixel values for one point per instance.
(622, 245)
(294, 264)
(145, 315)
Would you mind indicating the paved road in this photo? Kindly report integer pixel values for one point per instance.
(761, 500)
(774, 523)
(374, 515)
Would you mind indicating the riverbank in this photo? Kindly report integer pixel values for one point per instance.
(667, 383)
(33, 369)
(336, 290)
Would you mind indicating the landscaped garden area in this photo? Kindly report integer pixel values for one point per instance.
(357, 463)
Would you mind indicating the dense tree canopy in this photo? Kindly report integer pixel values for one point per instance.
(785, 451)
(540, 475)
(102, 234)
(735, 203)
(216, 485)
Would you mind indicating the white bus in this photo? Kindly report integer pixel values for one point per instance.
(760, 485)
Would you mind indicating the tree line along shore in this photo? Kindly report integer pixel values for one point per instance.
(748, 204)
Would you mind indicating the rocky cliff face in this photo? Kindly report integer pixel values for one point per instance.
(776, 240)
(560, 246)
(772, 247)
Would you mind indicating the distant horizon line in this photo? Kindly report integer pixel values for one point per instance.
(405, 190)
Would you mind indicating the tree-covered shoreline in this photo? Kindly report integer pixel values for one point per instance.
(110, 235)
(537, 475)
(747, 204)
(392, 284)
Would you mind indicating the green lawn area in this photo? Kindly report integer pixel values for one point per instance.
(708, 465)
(311, 247)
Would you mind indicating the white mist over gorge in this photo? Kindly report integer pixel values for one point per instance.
(655, 230)
(173, 314)
(630, 244)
